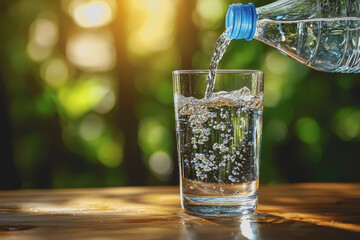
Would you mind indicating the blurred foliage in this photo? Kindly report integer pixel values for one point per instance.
(88, 94)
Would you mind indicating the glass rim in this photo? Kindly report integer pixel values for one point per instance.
(221, 71)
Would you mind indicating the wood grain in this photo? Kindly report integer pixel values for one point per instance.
(299, 211)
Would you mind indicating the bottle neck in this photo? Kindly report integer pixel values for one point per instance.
(241, 21)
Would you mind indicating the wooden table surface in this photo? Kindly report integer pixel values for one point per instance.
(294, 211)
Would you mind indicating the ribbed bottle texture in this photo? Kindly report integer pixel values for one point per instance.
(322, 34)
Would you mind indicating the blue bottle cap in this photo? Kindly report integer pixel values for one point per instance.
(242, 21)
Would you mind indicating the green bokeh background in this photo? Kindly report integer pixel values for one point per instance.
(65, 125)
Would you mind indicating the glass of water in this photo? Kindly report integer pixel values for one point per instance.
(218, 140)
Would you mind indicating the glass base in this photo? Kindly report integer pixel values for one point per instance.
(219, 206)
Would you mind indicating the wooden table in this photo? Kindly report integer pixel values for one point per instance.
(299, 211)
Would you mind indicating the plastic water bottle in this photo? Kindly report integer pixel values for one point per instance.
(323, 34)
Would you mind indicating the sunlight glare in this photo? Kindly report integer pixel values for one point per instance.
(43, 36)
(78, 98)
(111, 153)
(92, 13)
(210, 11)
(55, 72)
(91, 51)
(91, 127)
(246, 230)
(151, 25)
(44, 32)
(37, 53)
(160, 163)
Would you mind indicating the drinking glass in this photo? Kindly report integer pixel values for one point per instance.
(218, 140)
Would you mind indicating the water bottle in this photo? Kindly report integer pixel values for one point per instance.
(323, 34)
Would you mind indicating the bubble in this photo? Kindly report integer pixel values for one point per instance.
(231, 178)
(222, 126)
(213, 136)
(224, 115)
(222, 164)
(227, 157)
(186, 162)
(224, 148)
(207, 168)
(196, 130)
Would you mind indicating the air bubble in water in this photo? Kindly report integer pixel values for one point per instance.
(205, 161)
(216, 133)
(207, 168)
(231, 178)
(216, 146)
(224, 148)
